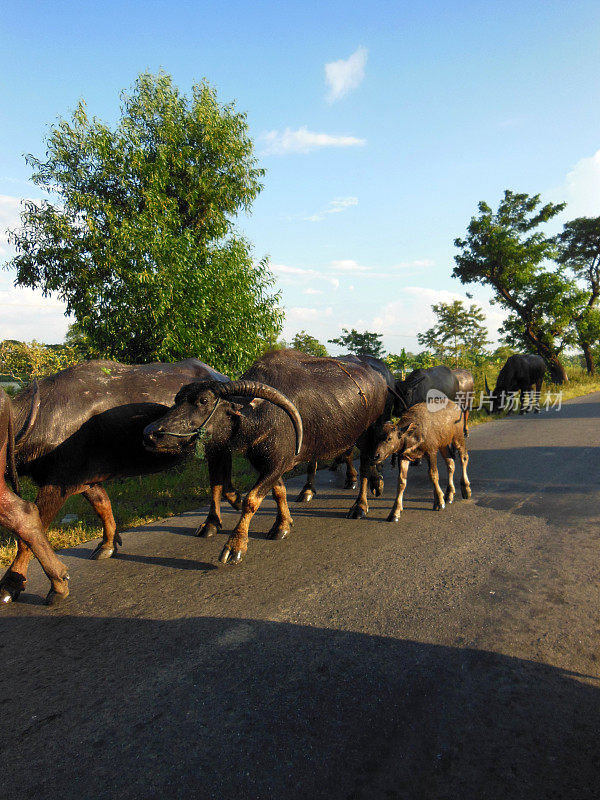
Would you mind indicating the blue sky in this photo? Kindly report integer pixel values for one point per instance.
(381, 125)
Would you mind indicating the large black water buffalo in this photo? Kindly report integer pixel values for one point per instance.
(415, 388)
(20, 516)
(318, 408)
(520, 373)
(89, 429)
(308, 491)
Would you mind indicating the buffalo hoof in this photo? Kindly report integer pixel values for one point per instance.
(393, 517)
(350, 483)
(230, 557)
(465, 491)
(449, 498)
(356, 512)
(103, 552)
(237, 503)
(439, 506)
(466, 433)
(416, 462)
(208, 529)
(377, 487)
(11, 586)
(54, 598)
(306, 495)
(279, 531)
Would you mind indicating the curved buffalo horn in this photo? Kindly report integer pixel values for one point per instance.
(33, 412)
(266, 392)
(487, 388)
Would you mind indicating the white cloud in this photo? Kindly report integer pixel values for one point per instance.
(304, 141)
(344, 75)
(582, 188)
(348, 265)
(10, 209)
(284, 269)
(301, 314)
(334, 207)
(26, 314)
(422, 263)
(411, 313)
(310, 290)
(341, 204)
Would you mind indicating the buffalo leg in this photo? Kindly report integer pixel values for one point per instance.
(49, 501)
(434, 477)
(100, 502)
(376, 481)
(394, 515)
(233, 497)
(351, 474)
(237, 544)
(308, 490)
(219, 470)
(538, 392)
(450, 491)
(284, 520)
(465, 486)
(360, 508)
(23, 517)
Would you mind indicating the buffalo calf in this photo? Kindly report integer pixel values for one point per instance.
(421, 432)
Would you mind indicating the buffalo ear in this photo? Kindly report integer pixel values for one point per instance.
(234, 409)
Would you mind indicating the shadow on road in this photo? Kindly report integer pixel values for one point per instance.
(235, 708)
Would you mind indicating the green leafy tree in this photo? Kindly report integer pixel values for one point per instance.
(423, 360)
(504, 249)
(308, 344)
(579, 251)
(24, 361)
(458, 335)
(399, 362)
(138, 237)
(363, 344)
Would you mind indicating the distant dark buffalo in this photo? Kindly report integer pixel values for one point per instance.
(422, 433)
(317, 408)
(521, 373)
(88, 429)
(465, 394)
(20, 516)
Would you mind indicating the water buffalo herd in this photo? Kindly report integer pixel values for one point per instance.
(100, 420)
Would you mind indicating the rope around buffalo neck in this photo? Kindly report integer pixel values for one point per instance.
(194, 431)
(360, 391)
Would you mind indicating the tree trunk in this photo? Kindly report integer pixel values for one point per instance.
(589, 359)
(558, 372)
(550, 356)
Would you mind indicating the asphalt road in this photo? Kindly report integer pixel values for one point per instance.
(454, 655)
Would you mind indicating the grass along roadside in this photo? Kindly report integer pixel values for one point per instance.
(141, 500)
(135, 501)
